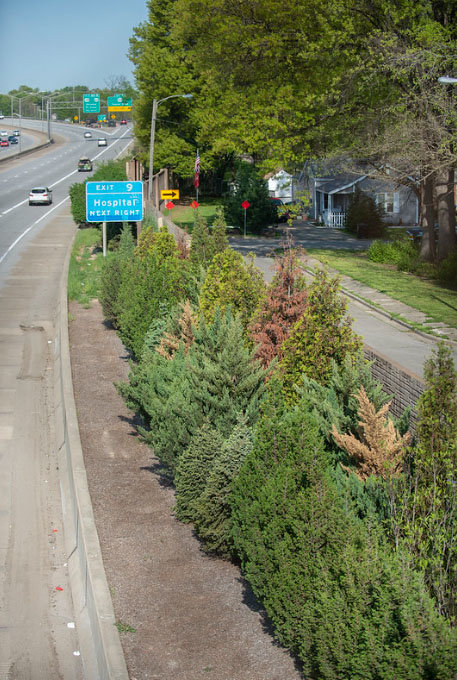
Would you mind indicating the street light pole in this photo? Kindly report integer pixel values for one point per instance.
(155, 105)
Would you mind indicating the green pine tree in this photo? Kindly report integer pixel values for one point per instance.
(338, 596)
(112, 273)
(323, 333)
(193, 468)
(230, 281)
(201, 246)
(213, 509)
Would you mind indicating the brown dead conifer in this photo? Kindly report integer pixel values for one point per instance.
(379, 450)
(170, 343)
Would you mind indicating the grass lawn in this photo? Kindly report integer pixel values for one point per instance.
(438, 302)
(85, 266)
(183, 215)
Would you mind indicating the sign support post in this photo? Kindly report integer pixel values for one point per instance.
(245, 205)
(104, 238)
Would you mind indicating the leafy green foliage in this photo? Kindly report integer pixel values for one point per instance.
(231, 282)
(323, 333)
(336, 595)
(219, 231)
(401, 252)
(111, 279)
(430, 494)
(201, 247)
(213, 510)
(77, 193)
(193, 469)
(162, 68)
(249, 186)
(150, 280)
(364, 216)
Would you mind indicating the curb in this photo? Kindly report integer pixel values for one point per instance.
(101, 649)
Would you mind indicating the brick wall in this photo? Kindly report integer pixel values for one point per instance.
(404, 385)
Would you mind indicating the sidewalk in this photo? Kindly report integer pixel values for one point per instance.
(373, 312)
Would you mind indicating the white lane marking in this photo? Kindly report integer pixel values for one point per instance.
(24, 233)
(5, 212)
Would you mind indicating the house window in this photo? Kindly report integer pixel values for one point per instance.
(389, 202)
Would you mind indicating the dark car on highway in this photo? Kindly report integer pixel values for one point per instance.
(12, 139)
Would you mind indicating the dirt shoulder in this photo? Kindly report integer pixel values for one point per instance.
(194, 616)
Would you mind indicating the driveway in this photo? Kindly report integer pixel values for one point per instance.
(305, 235)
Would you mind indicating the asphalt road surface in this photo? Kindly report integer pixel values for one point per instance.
(38, 640)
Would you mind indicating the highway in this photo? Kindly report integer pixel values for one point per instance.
(40, 635)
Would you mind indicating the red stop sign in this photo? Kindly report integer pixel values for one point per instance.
(245, 205)
(170, 205)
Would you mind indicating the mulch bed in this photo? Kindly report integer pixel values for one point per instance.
(183, 614)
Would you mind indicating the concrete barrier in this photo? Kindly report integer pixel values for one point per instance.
(100, 645)
(32, 149)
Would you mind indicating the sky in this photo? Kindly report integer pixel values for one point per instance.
(50, 44)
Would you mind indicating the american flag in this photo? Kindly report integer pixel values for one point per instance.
(197, 170)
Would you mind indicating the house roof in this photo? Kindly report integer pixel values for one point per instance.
(279, 172)
(340, 183)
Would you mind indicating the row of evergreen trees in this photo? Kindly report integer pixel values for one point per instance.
(260, 407)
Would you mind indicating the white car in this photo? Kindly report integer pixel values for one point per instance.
(102, 142)
(40, 195)
(1, 116)
(4, 133)
(88, 135)
(16, 133)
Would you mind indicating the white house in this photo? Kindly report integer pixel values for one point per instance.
(280, 185)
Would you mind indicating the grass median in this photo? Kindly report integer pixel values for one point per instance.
(438, 302)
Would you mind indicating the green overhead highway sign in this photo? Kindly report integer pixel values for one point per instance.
(91, 103)
(119, 102)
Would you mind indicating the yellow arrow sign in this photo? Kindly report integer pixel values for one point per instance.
(169, 193)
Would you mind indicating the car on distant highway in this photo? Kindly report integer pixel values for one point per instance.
(1, 116)
(87, 135)
(3, 133)
(111, 123)
(40, 195)
(12, 139)
(123, 122)
(102, 142)
(4, 142)
(16, 133)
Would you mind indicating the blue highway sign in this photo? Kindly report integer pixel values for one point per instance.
(114, 201)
